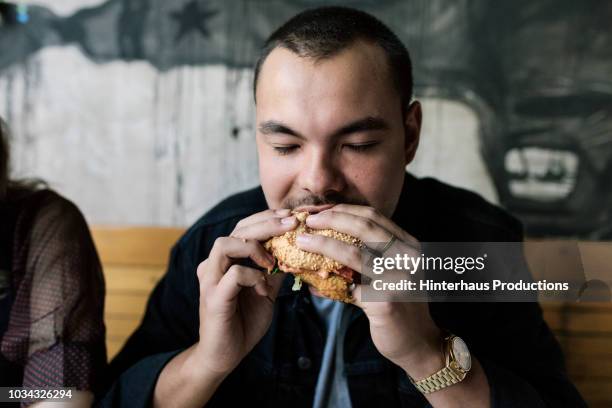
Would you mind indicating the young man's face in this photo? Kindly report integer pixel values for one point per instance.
(332, 130)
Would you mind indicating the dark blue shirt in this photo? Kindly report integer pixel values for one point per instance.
(520, 356)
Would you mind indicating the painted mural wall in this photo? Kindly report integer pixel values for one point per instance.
(141, 111)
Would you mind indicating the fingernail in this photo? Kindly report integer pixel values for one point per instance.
(303, 238)
(313, 218)
(288, 220)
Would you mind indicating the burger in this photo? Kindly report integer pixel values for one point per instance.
(329, 277)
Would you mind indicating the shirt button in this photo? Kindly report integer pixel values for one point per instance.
(304, 363)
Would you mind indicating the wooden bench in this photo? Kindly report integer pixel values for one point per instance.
(134, 259)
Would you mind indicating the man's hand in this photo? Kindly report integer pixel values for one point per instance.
(236, 302)
(403, 332)
(236, 308)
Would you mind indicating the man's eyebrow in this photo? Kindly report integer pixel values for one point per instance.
(272, 126)
(361, 125)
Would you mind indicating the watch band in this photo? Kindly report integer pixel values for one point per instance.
(450, 374)
(441, 379)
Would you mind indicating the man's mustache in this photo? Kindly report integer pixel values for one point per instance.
(332, 198)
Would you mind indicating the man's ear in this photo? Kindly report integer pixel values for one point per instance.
(412, 130)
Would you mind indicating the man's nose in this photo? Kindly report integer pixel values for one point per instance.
(320, 174)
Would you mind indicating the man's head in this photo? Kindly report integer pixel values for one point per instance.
(334, 119)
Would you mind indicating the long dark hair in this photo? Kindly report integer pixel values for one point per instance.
(4, 158)
(12, 188)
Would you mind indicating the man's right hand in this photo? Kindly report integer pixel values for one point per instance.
(236, 302)
(236, 308)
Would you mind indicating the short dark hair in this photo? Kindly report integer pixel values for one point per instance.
(325, 31)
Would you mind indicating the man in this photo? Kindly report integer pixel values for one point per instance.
(335, 130)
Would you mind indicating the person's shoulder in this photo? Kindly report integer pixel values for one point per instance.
(223, 216)
(53, 199)
(44, 203)
(461, 206)
(43, 215)
(52, 210)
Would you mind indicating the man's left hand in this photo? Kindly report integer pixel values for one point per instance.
(403, 332)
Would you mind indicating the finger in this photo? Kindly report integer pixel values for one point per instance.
(374, 215)
(266, 228)
(239, 277)
(263, 215)
(226, 249)
(358, 226)
(346, 254)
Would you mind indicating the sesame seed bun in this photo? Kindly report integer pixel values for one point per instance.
(328, 276)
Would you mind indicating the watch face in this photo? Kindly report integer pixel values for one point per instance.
(462, 354)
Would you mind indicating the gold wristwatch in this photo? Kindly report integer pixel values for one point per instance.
(458, 364)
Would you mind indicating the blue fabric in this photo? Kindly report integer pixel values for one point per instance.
(332, 387)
